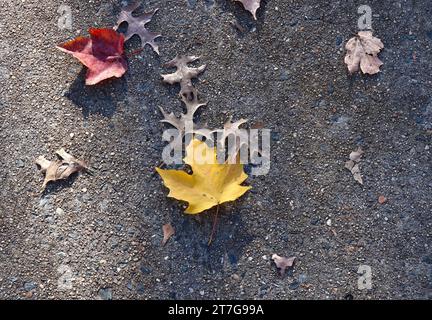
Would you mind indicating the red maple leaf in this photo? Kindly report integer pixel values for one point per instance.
(102, 54)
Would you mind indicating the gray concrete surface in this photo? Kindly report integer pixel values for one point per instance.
(98, 237)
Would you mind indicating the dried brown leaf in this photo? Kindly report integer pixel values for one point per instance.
(168, 232)
(283, 263)
(60, 169)
(184, 75)
(188, 93)
(362, 50)
(353, 166)
(251, 5)
(136, 25)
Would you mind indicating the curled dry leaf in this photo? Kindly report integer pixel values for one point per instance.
(251, 5)
(136, 25)
(60, 169)
(362, 50)
(353, 166)
(210, 184)
(283, 263)
(168, 232)
(102, 54)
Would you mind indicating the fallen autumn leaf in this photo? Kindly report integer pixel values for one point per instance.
(210, 184)
(353, 166)
(283, 263)
(60, 169)
(136, 25)
(102, 54)
(362, 50)
(188, 93)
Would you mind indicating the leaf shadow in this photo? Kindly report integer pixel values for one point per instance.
(244, 17)
(54, 187)
(229, 241)
(101, 99)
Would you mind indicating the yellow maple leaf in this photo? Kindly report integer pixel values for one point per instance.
(210, 184)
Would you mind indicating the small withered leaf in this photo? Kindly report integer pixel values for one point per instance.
(60, 169)
(283, 263)
(136, 25)
(168, 232)
(353, 166)
(362, 51)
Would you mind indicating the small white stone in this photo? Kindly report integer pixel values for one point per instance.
(59, 211)
(329, 222)
(72, 135)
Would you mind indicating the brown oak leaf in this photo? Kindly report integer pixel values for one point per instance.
(102, 54)
(136, 25)
(362, 50)
(283, 263)
(60, 169)
(188, 93)
(251, 5)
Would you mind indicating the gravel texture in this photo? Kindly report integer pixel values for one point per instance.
(99, 236)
